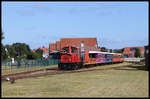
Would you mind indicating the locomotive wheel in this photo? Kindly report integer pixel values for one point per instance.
(59, 66)
(76, 66)
(65, 67)
(72, 67)
(68, 67)
(80, 65)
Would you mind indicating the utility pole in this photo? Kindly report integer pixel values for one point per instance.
(82, 51)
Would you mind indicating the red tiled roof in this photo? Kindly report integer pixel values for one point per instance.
(45, 50)
(89, 42)
(52, 47)
(128, 51)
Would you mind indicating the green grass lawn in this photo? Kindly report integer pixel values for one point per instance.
(131, 81)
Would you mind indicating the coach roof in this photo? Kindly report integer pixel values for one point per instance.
(103, 52)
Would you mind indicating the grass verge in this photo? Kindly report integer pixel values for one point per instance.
(124, 82)
(5, 72)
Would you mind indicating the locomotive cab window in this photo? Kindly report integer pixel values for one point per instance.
(66, 50)
(73, 50)
(116, 57)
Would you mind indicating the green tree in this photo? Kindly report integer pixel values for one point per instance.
(110, 50)
(11, 51)
(2, 37)
(21, 49)
(33, 55)
(122, 50)
(40, 52)
(118, 50)
(103, 49)
(137, 52)
(4, 55)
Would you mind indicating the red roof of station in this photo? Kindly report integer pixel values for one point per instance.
(89, 43)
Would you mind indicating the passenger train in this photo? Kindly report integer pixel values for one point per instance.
(74, 58)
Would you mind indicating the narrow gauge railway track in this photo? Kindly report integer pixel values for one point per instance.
(55, 68)
(51, 71)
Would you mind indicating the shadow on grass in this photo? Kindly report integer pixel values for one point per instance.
(142, 67)
(134, 68)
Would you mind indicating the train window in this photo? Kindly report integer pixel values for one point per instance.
(92, 55)
(111, 56)
(74, 50)
(108, 56)
(105, 56)
(116, 57)
(100, 56)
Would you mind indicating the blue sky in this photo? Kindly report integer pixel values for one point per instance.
(114, 24)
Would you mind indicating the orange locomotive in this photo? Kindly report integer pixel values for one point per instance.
(72, 58)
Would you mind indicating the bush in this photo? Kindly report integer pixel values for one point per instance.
(137, 52)
(33, 55)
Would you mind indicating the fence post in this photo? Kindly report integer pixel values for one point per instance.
(5, 66)
(10, 65)
(19, 64)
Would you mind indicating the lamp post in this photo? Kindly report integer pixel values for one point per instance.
(82, 51)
